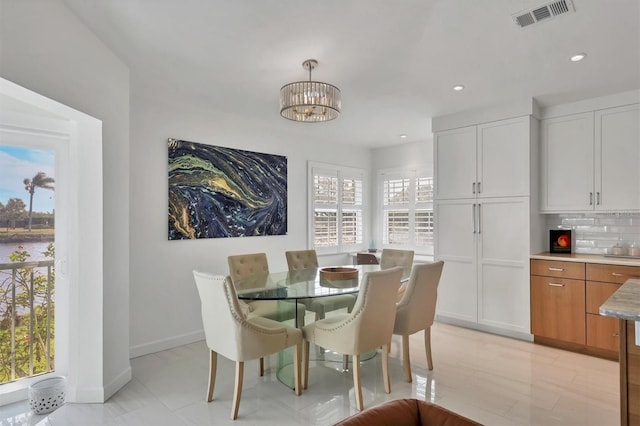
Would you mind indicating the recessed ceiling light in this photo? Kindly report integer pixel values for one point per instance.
(458, 87)
(403, 136)
(578, 57)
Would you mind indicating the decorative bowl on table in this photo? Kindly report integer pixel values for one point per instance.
(339, 277)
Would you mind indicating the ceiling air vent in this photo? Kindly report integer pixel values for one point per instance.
(549, 10)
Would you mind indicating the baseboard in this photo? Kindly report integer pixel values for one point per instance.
(116, 384)
(85, 395)
(164, 344)
(485, 328)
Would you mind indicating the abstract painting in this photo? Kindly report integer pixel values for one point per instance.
(218, 192)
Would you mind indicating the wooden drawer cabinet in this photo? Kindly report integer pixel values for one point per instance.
(603, 332)
(611, 273)
(557, 308)
(565, 304)
(629, 376)
(553, 268)
(597, 294)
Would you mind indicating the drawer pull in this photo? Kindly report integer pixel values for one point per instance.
(616, 274)
(556, 285)
(616, 334)
(557, 269)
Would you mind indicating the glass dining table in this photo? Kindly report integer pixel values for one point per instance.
(296, 286)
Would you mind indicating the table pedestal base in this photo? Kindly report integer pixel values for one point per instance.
(285, 361)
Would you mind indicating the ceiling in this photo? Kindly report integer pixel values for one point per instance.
(394, 61)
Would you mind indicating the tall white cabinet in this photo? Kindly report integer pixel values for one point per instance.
(591, 161)
(483, 227)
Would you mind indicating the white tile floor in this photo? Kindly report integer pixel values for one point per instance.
(491, 379)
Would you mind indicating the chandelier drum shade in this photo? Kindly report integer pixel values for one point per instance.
(310, 101)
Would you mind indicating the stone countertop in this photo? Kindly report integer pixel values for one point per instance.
(624, 303)
(587, 258)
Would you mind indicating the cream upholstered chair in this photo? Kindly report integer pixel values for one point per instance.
(245, 266)
(230, 333)
(394, 257)
(366, 259)
(367, 327)
(308, 259)
(416, 310)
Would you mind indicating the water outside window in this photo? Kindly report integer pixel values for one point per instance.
(27, 231)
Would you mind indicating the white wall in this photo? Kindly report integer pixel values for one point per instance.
(165, 308)
(45, 48)
(414, 154)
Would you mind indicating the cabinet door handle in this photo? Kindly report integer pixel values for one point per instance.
(473, 217)
(556, 269)
(598, 198)
(591, 198)
(616, 334)
(473, 187)
(479, 187)
(555, 285)
(479, 217)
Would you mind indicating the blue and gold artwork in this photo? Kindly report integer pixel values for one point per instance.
(217, 192)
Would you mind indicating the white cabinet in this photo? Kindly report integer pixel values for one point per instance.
(456, 245)
(591, 161)
(455, 163)
(617, 166)
(489, 160)
(485, 246)
(503, 263)
(567, 163)
(482, 224)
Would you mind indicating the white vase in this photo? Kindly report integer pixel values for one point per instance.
(46, 395)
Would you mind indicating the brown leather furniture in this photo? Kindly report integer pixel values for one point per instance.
(407, 412)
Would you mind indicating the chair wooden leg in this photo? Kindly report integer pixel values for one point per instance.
(237, 391)
(427, 347)
(305, 362)
(385, 369)
(357, 385)
(213, 365)
(406, 361)
(297, 355)
(261, 367)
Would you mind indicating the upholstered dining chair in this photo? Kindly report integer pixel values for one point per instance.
(230, 333)
(245, 266)
(394, 257)
(366, 259)
(307, 259)
(366, 328)
(416, 310)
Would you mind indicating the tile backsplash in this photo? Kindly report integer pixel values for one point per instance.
(596, 232)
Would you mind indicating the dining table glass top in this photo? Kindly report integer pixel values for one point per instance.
(302, 284)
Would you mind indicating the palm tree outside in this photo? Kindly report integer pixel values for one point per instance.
(40, 180)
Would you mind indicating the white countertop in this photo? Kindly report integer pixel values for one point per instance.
(587, 258)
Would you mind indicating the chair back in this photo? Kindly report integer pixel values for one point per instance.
(366, 259)
(374, 312)
(301, 259)
(417, 308)
(394, 257)
(221, 313)
(247, 265)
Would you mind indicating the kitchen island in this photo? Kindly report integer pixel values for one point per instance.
(624, 305)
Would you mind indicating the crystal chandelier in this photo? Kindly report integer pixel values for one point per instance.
(310, 101)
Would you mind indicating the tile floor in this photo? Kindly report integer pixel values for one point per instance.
(491, 379)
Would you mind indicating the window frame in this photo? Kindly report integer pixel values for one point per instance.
(412, 207)
(341, 173)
